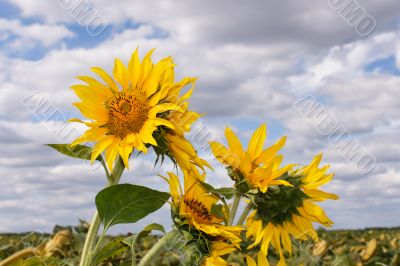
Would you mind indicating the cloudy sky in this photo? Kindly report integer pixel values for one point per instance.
(257, 62)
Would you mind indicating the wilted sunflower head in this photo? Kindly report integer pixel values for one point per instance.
(254, 168)
(285, 212)
(133, 108)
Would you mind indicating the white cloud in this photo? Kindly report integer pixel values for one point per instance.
(253, 66)
(29, 35)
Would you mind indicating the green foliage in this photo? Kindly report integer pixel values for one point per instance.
(226, 192)
(217, 210)
(110, 250)
(43, 261)
(131, 240)
(344, 247)
(79, 151)
(126, 203)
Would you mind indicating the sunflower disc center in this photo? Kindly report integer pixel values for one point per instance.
(127, 113)
(198, 210)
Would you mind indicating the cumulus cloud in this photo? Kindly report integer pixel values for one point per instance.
(253, 62)
(19, 38)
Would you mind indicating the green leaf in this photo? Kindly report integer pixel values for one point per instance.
(79, 151)
(226, 192)
(207, 186)
(152, 227)
(217, 210)
(109, 250)
(43, 261)
(126, 203)
(131, 240)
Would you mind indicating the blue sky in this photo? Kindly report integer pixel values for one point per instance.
(251, 69)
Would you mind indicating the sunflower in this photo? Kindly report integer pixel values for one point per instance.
(191, 209)
(128, 109)
(286, 212)
(255, 168)
(180, 150)
(194, 204)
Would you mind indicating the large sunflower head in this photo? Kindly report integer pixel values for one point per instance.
(192, 213)
(254, 168)
(132, 108)
(286, 212)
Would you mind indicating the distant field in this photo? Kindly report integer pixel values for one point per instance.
(376, 246)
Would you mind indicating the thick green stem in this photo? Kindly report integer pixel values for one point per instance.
(90, 241)
(245, 213)
(167, 239)
(234, 207)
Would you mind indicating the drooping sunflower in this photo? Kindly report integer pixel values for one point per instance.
(131, 107)
(191, 210)
(255, 167)
(178, 148)
(284, 212)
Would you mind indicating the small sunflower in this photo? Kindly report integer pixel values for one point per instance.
(255, 168)
(128, 109)
(191, 209)
(194, 204)
(285, 212)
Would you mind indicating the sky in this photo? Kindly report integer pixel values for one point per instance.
(324, 73)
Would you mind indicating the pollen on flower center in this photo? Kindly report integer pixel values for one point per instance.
(198, 210)
(127, 113)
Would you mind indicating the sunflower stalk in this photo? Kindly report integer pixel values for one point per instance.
(90, 241)
(165, 241)
(245, 213)
(234, 207)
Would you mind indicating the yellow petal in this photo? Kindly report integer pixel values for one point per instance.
(163, 122)
(101, 145)
(287, 243)
(233, 142)
(163, 107)
(107, 78)
(224, 155)
(99, 87)
(319, 195)
(92, 134)
(269, 153)
(112, 152)
(134, 68)
(250, 261)
(256, 142)
(153, 79)
(121, 73)
(86, 93)
(262, 259)
(98, 114)
(316, 212)
(175, 187)
(147, 137)
(125, 151)
(145, 68)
